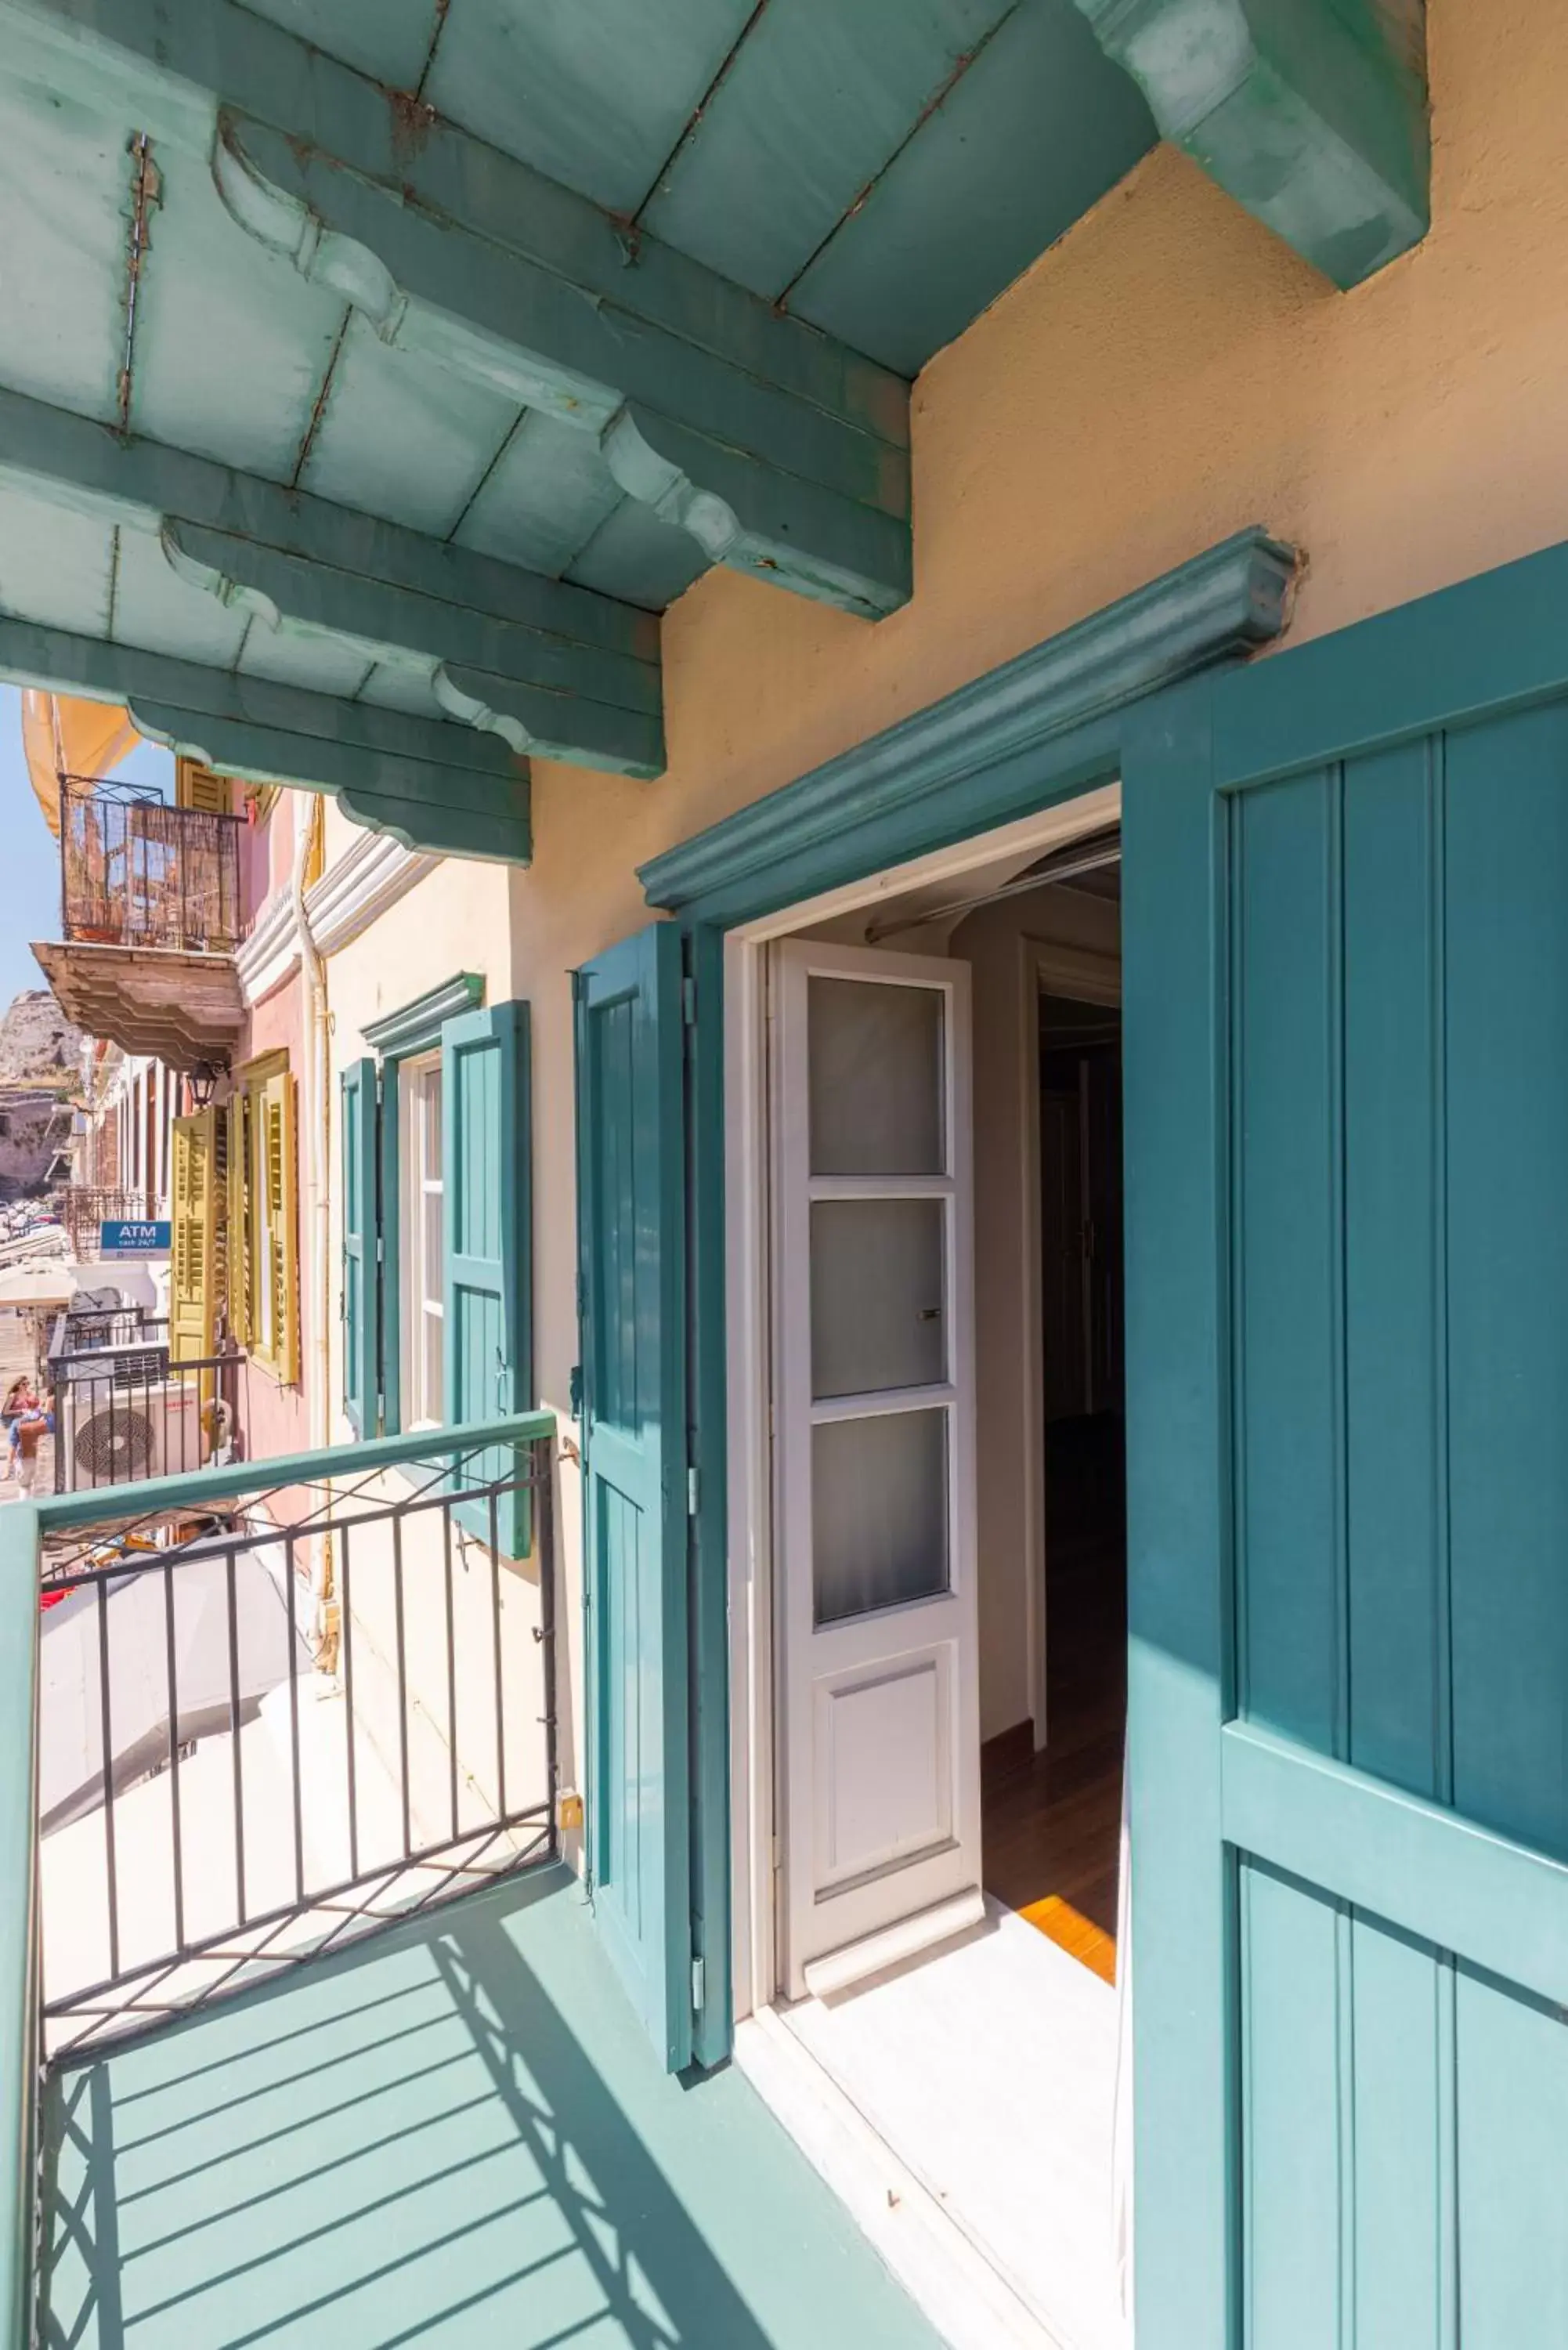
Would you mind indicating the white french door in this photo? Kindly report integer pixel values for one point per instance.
(874, 1458)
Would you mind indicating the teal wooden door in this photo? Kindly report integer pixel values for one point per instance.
(1347, 1032)
(631, 1211)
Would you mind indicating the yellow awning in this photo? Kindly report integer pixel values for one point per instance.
(63, 736)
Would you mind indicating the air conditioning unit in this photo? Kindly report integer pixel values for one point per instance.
(111, 1435)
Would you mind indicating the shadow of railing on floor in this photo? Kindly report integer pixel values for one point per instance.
(469, 2079)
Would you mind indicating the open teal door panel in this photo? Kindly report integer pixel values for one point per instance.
(1345, 933)
(631, 1213)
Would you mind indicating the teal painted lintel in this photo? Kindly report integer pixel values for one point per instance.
(971, 760)
(414, 1026)
(1312, 113)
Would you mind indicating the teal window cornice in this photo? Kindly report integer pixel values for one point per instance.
(415, 1025)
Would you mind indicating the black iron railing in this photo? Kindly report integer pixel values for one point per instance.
(274, 1716)
(83, 1329)
(85, 1208)
(136, 872)
(126, 1411)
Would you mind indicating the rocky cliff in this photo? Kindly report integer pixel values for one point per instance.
(37, 1043)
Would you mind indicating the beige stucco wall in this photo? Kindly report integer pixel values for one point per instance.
(1167, 374)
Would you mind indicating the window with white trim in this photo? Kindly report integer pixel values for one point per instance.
(422, 1256)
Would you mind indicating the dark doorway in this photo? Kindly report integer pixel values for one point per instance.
(1052, 1820)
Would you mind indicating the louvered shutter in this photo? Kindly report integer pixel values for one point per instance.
(280, 1271)
(196, 786)
(192, 1286)
(237, 1239)
(360, 1270)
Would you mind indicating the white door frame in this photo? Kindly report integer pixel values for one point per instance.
(755, 1856)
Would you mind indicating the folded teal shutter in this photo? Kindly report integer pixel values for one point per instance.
(361, 1273)
(489, 1368)
(631, 1232)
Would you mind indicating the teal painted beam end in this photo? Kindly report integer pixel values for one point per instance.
(555, 669)
(1312, 113)
(441, 810)
(432, 785)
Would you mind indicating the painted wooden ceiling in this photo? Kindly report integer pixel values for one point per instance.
(881, 168)
(373, 371)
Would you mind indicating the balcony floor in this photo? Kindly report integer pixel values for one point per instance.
(456, 2135)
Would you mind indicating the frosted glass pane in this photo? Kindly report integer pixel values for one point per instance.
(875, 1062)
(880, 1512)
(877, 1318)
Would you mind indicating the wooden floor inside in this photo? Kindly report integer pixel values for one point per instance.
(1050, 1822)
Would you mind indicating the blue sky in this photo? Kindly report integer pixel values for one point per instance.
(30, 861)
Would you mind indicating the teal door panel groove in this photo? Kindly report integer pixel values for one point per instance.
(1346, 1026)
(631, 1221)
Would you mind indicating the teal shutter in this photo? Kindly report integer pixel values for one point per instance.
(489, 1368)
(359, 1120)
(631, 1223)
(1345, 932)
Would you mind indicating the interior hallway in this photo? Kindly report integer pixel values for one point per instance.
(1050, 1822)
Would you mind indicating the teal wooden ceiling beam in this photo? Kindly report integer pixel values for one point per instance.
(779, 451)
(555, 670)
(431, 786)
(1313, 113)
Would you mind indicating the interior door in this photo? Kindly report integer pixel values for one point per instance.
(1346, 971)
(873, 1457)
(631, 1221)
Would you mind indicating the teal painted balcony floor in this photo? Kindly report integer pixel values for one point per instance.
(456, 2135)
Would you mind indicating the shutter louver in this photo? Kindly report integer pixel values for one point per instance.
(280, 1271)
(196, 786)
(237, 1244)
(193, 1284)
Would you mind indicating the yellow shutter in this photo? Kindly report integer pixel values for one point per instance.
(193, 1280)
(237, 1270)
(281, 1273)
(196, 786)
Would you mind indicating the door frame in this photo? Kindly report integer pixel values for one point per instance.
(1022, 738)
(756, 1853)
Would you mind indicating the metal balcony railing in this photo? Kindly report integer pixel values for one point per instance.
(136, 872)
(261, 1712)
(86, 1208)
(125, 1410)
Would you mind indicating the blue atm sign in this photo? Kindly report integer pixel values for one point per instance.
(129, 1237)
